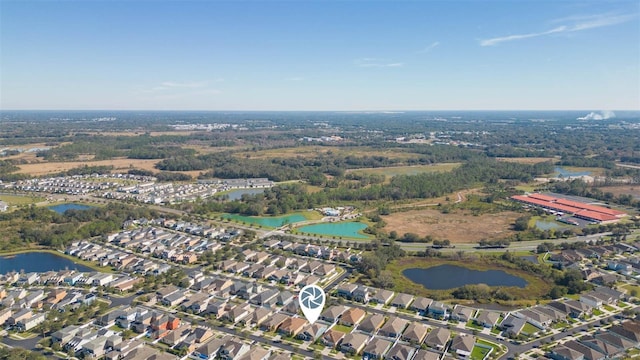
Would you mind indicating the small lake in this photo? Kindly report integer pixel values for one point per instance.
(61, 208)
(38, 262)
(341, 229)
(274, 222)
(237, 194)
(547, 225)
(444, 277)
(560, 171)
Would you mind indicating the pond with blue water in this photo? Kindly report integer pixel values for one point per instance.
(562, 172)
(61, 208)
(445, 277)
(340, 229)
(38, 262)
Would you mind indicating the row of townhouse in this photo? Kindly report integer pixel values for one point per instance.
(425, 306)
(163, 193)
(611, 343)
(316, 251)
(542, 316)
(89, 343)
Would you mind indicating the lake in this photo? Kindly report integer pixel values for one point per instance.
(268, 221)
(444, 277)
(237, 194)
(61, 208)
(562, 172)
(38, 262)
(340, 229)
(547, 225)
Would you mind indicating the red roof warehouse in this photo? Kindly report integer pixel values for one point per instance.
(578, 209)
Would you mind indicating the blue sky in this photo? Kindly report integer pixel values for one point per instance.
(320, 55)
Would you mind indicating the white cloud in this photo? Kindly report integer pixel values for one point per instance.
(433, 45)
(577, 23)
(602, 115)
(378, 63)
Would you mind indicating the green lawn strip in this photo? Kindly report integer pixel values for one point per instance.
(478, 352)
(530, 329)
(622, 305)
(342, 328)
(20, 200)
(608, 308)
(495, 331)
(597, 312)
(473, 325)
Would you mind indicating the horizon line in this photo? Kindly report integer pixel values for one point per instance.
(316, 110)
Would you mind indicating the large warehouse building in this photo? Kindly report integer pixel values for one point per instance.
(594, 213)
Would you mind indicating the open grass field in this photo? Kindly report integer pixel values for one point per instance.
(314, 151)
(633, 190)
(121, 164)
(405, 170)
(458, 227)
(20, 200)
(527, 160)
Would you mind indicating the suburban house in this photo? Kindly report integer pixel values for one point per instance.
(420, 304)
(353, 343)
(462, 313)
(486, 318)
(376, 348)
(415, 333)
(352, 316)
(371, 323)
(382, 296)
(312, 332)
(463, 345)
(438, 310)
(333, 313)
(292, 326)
(332, 337)
(402, 301)
(401, 352)
(393, 327)
(438, 338)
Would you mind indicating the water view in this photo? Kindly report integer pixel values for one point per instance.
(274, 222)
(343, 229)
(38, 262)
(61, 208)
(444, 277)
(562, 172)
(547, 225)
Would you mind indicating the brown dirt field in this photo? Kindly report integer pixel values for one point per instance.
(527, 160)
(633, 190)
(36, 169)
(458, 227)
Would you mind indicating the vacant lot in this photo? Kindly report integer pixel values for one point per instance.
(633, 190)
(314, 151)
(528, 160)
(458, 227)
(406, 170)
(120, 165)
(20, 200)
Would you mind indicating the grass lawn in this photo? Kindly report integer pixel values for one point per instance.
(623, 304)
(473, 325)
(608, 308)
(530, 329)
(20, 200)
(495, 331)
(479, 352)
(342, 328)
(597, 312)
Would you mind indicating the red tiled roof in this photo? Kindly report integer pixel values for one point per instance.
(591, 212)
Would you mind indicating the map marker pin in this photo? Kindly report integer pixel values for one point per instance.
(311, 299)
